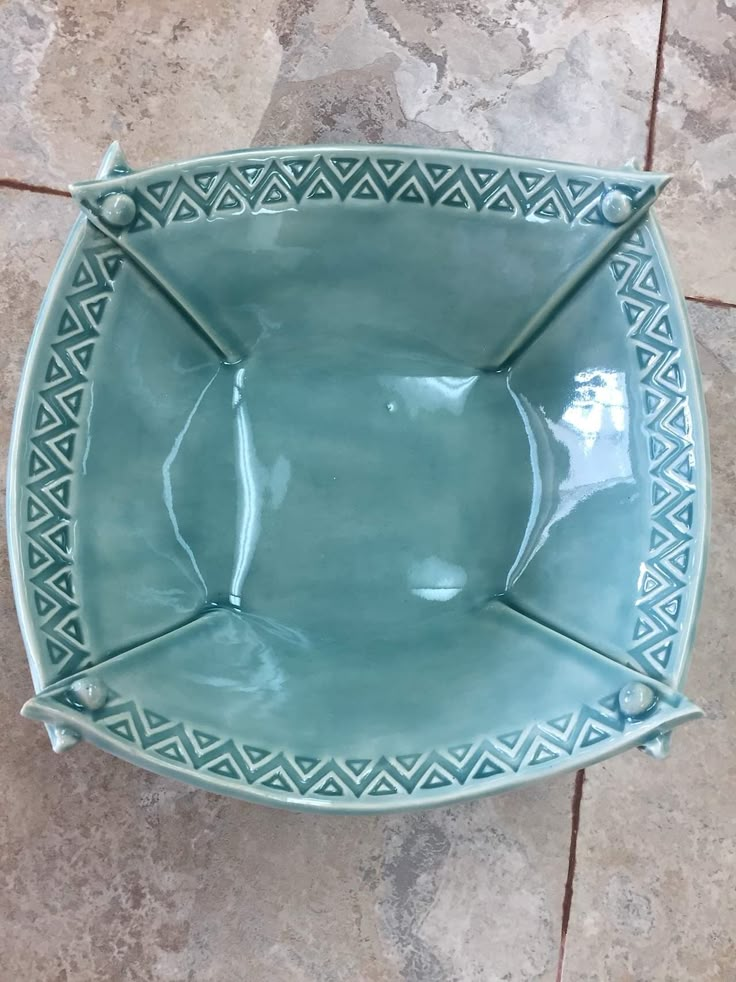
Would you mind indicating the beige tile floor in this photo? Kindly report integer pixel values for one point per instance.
(109, 873)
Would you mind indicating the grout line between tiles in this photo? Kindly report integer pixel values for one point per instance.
(658, 66)
(14, 185)
(577, 801)
(712, 302)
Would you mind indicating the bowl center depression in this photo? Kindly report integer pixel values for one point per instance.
(357, 488)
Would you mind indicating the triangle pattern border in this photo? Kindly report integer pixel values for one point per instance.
(488, 759)
(672, 472)
(47, 485)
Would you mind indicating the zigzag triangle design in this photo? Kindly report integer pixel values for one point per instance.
(485, 760)
(274, 180)
(661, 591)
(48, 485)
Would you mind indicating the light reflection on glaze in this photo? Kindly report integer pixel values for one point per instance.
(593, 430)
(525, 552)
(255, 669)
(249, 496)
(429, 392)
(88, 442)
(279, 481)
(431, 579)
(168, 494)
(260, 485)
(435, 579)
(290, 635)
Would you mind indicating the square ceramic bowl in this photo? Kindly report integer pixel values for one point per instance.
(360, 478)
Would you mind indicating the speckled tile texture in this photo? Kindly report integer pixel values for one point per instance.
(654, 892)
(110, 873)
(695, 139)
(173, 79)
(468, 74)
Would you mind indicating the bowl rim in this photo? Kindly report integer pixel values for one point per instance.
(116, 170)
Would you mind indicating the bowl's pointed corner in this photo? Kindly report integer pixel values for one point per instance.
(37, 708)
(62, 736)
(114, 162)
(660, 181)
(659, 744)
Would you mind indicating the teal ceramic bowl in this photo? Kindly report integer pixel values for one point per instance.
(360, 478)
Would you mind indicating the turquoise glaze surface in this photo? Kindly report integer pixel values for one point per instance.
(360, 478)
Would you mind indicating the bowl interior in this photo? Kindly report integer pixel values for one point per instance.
(360, 492)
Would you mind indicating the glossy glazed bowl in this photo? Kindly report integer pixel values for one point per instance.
(360, 478)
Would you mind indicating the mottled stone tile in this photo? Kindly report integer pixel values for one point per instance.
(695, 139)
(173, 79)
(466, 890)
(110, 873)
(557, 80)
(656, 861)
(715, 329)
(169, 79)
(454, 895)
(32, 231)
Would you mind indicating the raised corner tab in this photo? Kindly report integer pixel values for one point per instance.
(660, 181)
(114, 162)
(63, 734)
(657, 746)
(113, 165)
(63, 738)
(650, 186)
(659, 742)
(31, 709)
